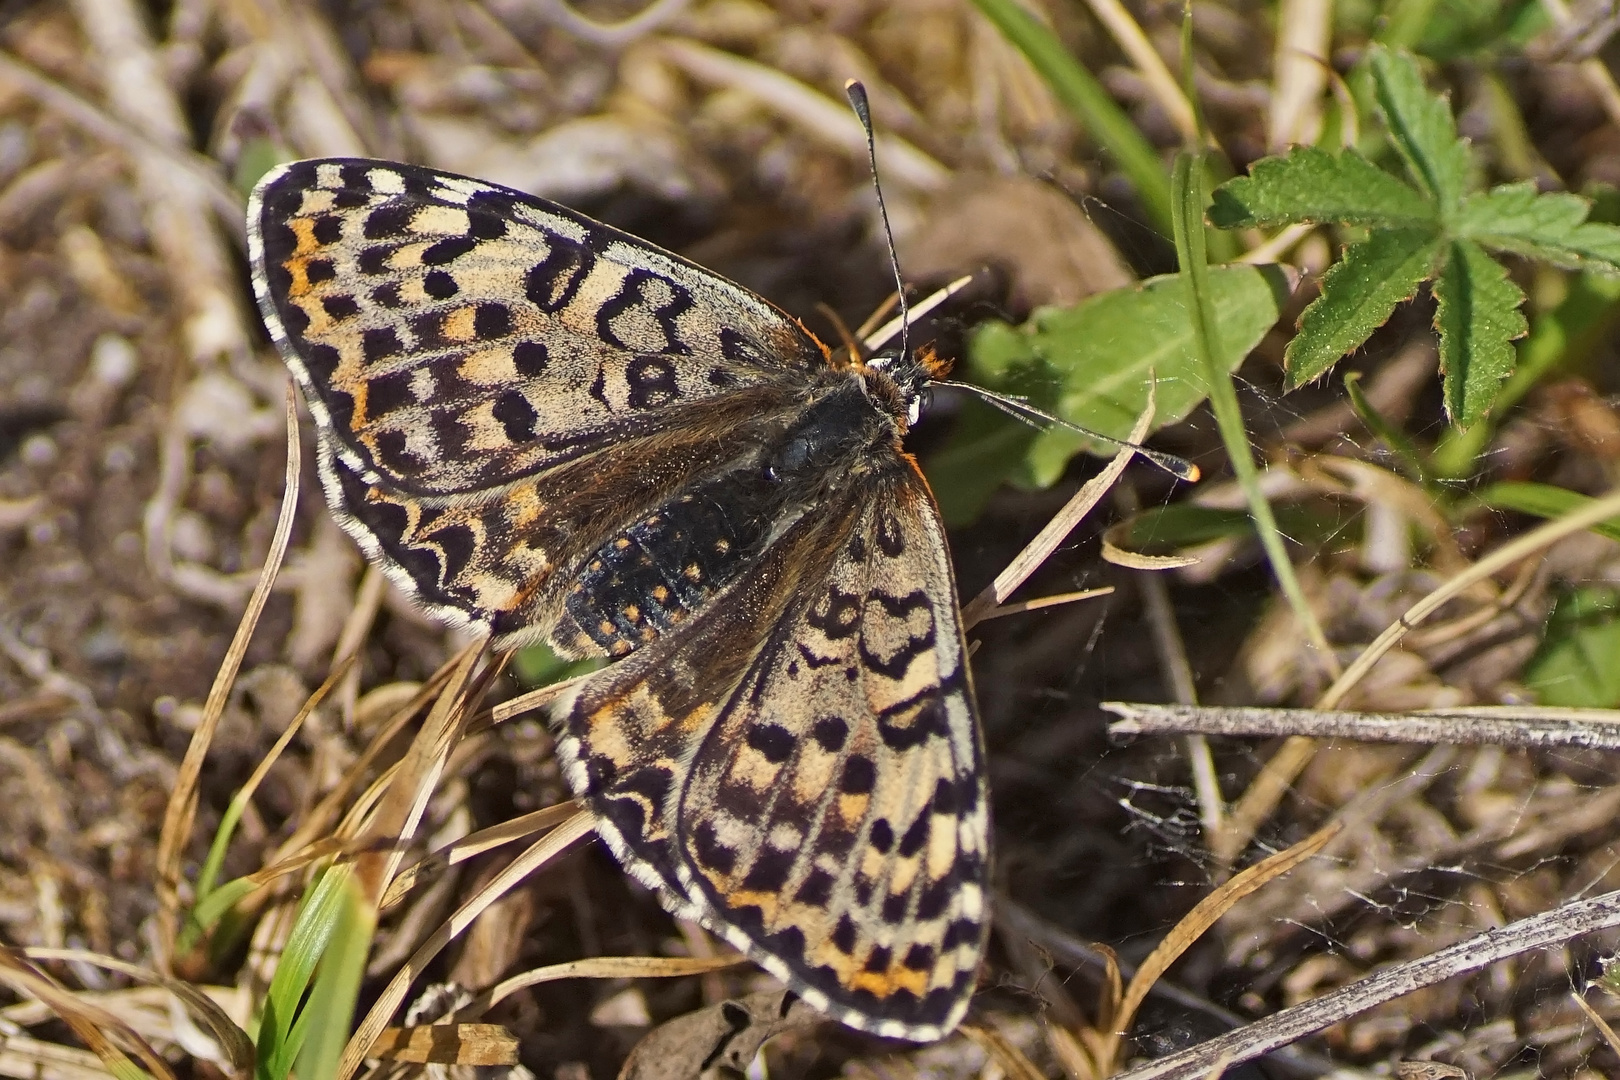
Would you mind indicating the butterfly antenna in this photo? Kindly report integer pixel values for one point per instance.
(1180, 468)
(863, 111)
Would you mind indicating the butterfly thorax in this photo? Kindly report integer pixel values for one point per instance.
(680, 554)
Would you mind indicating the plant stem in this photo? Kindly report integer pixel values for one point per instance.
(1188, 206)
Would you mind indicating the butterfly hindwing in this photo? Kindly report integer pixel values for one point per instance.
(819, 799)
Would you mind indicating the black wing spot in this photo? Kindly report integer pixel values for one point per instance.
(317, 271)
(387, 295)
(890, 541)
(917, 835)
(447, 250)
(459, 544)
(530, 358)
(486, 226)
(440, 285)
(816, 890)
(652, 382)
(389, 222)
(380, 343)
(374, 259)
(721, 377)
(860, 776)
(491, 321)
(328, 229)
(706, 845)
(516, 415)
(296, 320)
(773, 741)
(770, 870)
(843, 935)
(882, 835)
(339, 307)
(879, 959)
(919, 957)
(350, 198)
(831, 732)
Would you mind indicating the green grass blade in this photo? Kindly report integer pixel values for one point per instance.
(1084, 96)
(328, 1016)
(1223, 399)
(318, 920)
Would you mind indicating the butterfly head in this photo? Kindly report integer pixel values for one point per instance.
(910, 374)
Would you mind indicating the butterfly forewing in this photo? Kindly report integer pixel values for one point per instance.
(453, 334)
(552, 430)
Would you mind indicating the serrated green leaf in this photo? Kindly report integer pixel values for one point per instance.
(1420, 125)
(1575, 666)
(1310, 184)
(1358, 294)
(1478, 318)
(1552, 226)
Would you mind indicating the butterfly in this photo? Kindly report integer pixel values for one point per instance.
(549, 430)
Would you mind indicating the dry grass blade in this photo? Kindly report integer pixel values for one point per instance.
(400, 810)
(447, 1044)
(1204, 915)
(181, 810)
(602, 967)
(1056, 600)
(1013, 1061)
(1260, 801)
(476, 843)
(232, 1040)
(1038, 550)
(1161, 83)
(94, 1025)
(1598, 1022)
(541, 852)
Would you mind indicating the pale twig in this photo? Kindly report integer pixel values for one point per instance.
(1292, 1024)
(89, 118)
(1178, 674)
(1299, 75)
(1593, 70)
(1460, 728)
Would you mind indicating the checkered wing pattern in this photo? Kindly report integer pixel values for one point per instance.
(818, 799)
(462, 345)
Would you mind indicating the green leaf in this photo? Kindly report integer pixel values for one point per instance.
(1090, 364)
(1310, 184)
(1421, 127)
(1478, 318)
(1576, 665)
(1358, 294)
(1553, 227)
(1543, 501)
